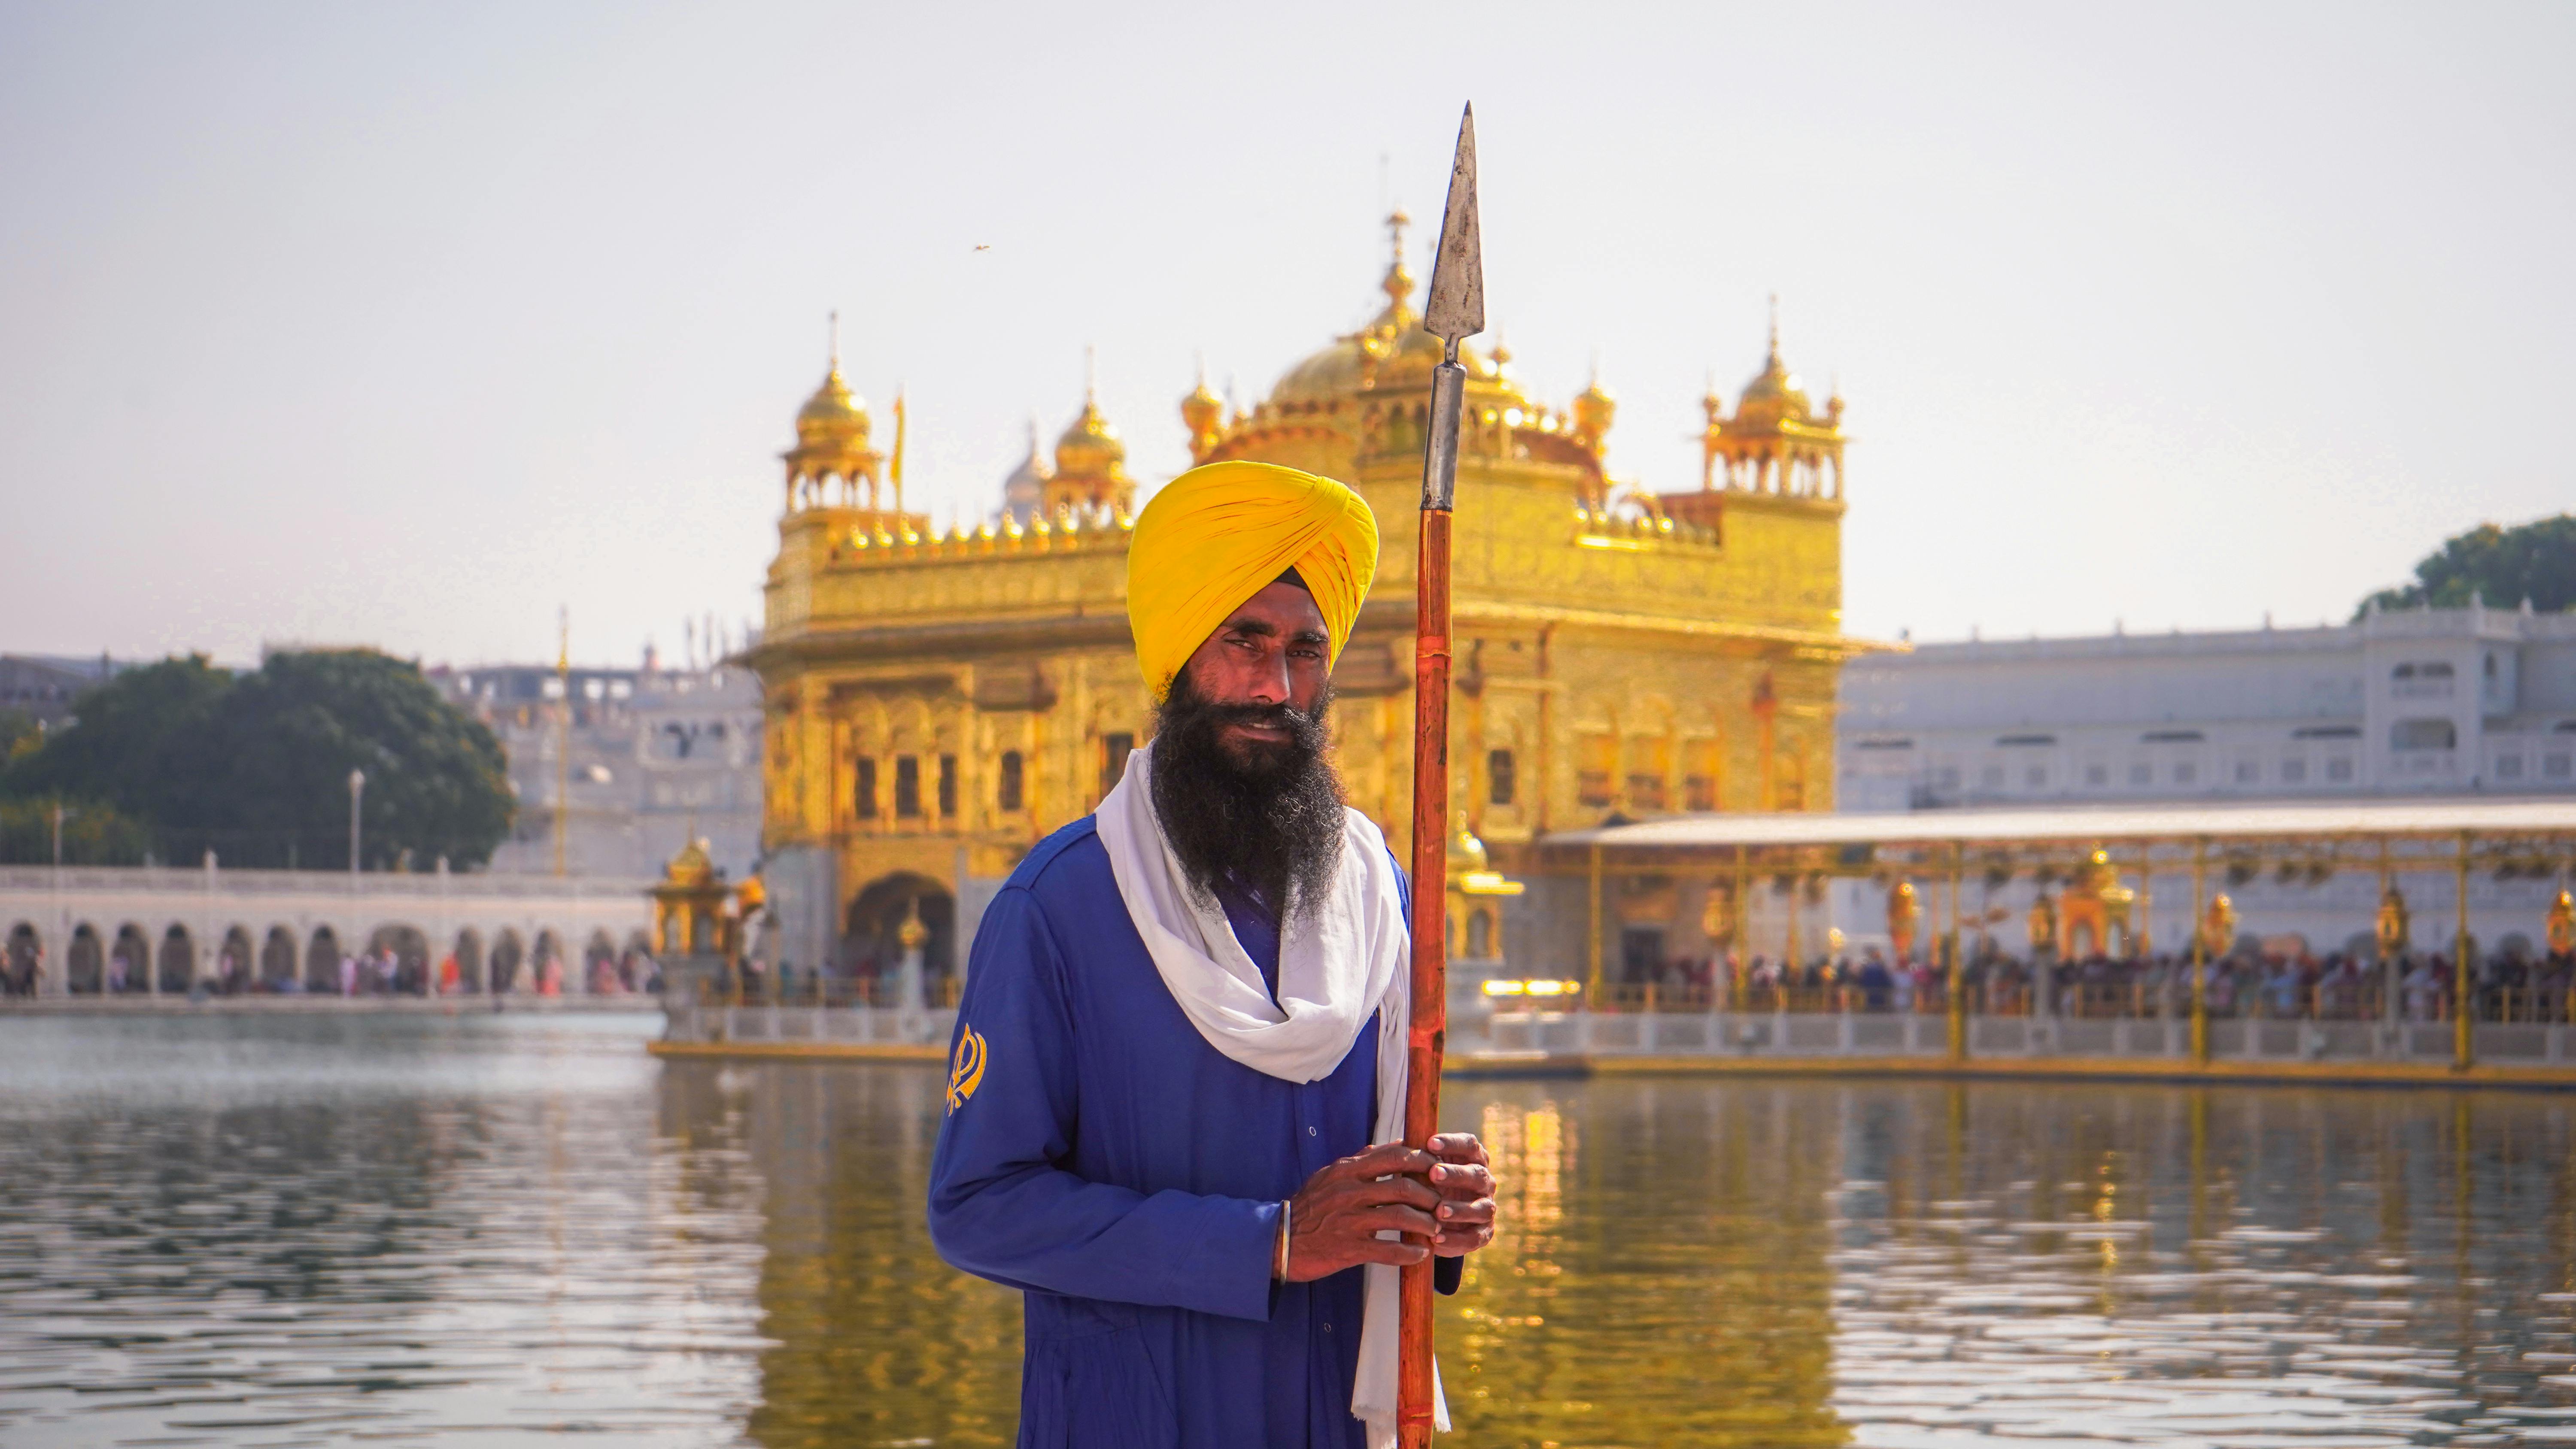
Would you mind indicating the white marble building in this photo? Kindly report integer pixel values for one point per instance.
(2470, 701)
(655, 756)
(2438, 701)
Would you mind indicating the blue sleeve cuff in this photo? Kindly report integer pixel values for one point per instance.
(1227, 1269)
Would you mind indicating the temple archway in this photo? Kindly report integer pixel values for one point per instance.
(26, 948)
(549, 965)
(129, 965)
(410, 974)
(872, 928)
(508, 955)
(277, 960)
(234, 961)
(178, 960)
(469, 960)
(322, 962)
(85, 964)
(599, 965)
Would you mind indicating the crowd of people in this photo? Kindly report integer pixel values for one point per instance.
(2503, 987)
(383, 971)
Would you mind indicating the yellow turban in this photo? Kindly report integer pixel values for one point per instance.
(1217, 535)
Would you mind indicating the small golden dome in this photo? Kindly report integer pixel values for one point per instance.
(691, 867)
(1090, 447)
(833, 414)
(1594, 408)
(1466, 853)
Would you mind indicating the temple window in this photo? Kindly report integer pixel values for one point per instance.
(947, 786)
(1114, 750)
(907, 787)
(1499, 779)
(863, 794)
(1012, 793)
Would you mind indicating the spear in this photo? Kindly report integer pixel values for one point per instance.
(1456, 311)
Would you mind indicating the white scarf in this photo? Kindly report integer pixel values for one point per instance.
(1340, 959)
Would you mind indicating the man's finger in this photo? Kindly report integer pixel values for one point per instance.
(1407, 1190)
(1456, 1214)
(1386, 1158)
(1460, 1147)
(1457, 1181)
(1394, 1216)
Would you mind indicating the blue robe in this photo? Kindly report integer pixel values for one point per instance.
(1127, 1177)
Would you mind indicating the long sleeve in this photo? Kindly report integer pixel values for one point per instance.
(1004, 1206)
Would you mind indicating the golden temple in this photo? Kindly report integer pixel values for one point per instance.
(940, 700)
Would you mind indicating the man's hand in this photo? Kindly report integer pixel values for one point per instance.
(1465, 1180)
(1445, 1196)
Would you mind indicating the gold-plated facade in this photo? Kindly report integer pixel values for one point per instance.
(938, 701)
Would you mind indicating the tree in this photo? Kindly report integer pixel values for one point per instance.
(275, 754)
(2502, 566)
(118, 748)
(257, 768)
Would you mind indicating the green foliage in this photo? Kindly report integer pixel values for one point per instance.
(93, 833)
(2502, 566)
(20, 737)
(257, 768)
(119, 749)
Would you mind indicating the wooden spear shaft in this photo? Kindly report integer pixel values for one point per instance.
(1428, 1034)
(1456, 310)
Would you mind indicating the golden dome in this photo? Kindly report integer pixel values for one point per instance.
(1594, 408)
(1090, 448)
(1203, 413)
(1391, 352)
(833, 414)
(1774, 394)
(1466, 852)
(691, 867)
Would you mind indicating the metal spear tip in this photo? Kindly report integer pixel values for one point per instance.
(1457, 305)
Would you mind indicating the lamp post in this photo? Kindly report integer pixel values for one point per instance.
(357, 788)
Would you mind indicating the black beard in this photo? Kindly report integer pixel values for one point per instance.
(1270, 818)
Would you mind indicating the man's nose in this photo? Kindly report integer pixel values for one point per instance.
(1270, 680)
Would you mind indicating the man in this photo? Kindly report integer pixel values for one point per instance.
(1183, 1029)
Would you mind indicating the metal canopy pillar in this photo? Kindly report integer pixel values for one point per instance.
(2464, 1006)
(2199, 953)
(1956, 976)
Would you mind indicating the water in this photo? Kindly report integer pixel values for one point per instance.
(489, 1231)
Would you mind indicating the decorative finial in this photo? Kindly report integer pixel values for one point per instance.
(1596, 369)
(1502, 352)
(1775, 327)
(1399, 282)
(835, 363)
(1090, 374)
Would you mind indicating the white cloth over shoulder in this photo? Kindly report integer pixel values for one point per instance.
(1341, 960)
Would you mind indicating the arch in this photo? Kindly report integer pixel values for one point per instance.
(635, 964)
(178, 964)
(129, 962)
(397, 961)
(235, 961)
(26, 952)
(85, 964)
(468, 956)
(871, 944)
(599, 965)
(508, 955)
(322, 969)
(1480, 935)
(549, 963)
(277, 960)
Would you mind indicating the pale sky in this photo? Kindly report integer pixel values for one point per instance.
(403, 325)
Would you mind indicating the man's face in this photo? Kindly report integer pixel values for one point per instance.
(1270, 652)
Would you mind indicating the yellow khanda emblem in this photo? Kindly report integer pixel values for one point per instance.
(967, 1072)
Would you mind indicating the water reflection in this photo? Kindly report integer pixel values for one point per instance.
(237, 1231)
